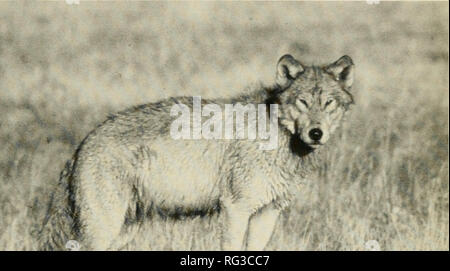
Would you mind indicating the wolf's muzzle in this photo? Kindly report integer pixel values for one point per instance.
(315, 134)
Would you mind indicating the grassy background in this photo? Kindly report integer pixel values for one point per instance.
(64, 68)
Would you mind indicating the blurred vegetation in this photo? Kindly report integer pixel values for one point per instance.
(63, 68)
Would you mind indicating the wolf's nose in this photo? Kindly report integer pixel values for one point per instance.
(315, 134)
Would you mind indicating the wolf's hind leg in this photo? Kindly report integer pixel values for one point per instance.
(103, 213)
(103, 227)
(261, 227)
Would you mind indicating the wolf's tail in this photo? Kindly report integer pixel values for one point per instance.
(58, 224)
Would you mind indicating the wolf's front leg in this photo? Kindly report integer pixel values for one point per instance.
(261, 227)
(235, 225)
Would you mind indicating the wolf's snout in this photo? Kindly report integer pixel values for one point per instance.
(315, 134)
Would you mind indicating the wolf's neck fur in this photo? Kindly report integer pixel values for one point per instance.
(294, 157)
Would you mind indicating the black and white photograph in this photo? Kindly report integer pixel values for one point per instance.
(224, 126)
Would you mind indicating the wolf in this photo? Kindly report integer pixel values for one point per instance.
(129, 167)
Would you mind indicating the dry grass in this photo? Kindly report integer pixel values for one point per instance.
(63, 68)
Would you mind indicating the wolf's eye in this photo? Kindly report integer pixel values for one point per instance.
(329, 101)
(304, 102)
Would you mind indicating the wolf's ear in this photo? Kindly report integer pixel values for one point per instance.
(342, 71)
(288, 68)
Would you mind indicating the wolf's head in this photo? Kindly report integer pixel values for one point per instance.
(313, 99)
